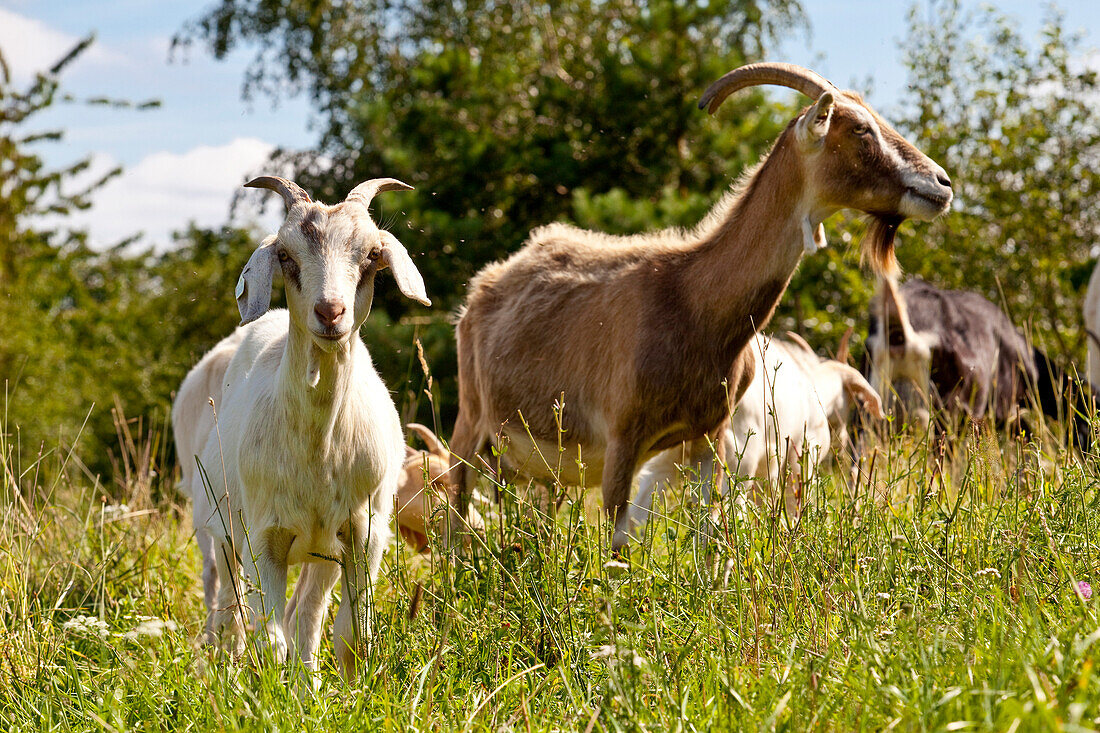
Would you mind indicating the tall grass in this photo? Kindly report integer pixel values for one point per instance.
(928, 592)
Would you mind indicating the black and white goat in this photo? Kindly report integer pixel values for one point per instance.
(956, 351)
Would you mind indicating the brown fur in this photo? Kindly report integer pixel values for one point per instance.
(643, 334)
(425, 486)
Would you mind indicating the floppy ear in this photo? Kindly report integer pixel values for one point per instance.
(408, 278)
(254, 285)
(814, 125)
(860, 389)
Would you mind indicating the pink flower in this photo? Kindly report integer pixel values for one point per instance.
(1084, 590)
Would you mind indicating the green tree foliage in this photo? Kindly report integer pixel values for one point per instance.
(81, 328)
(505, 113)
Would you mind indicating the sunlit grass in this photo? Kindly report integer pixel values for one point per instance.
(906, 597)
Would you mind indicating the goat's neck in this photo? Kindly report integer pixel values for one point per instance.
(311, 378)
(741, 266)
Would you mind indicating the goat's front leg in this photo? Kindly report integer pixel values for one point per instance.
(267, 596)
(305, 615)
(364, 543)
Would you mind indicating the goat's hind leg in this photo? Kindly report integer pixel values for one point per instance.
(466, 441)
(225, 619)
(210, 583)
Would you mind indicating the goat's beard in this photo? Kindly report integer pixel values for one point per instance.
(878, 243)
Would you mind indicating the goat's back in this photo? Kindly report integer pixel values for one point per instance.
(192, 416)
(980, 348)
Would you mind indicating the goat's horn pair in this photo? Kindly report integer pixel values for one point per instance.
(291, 192)
(811, 84)
(367, 190)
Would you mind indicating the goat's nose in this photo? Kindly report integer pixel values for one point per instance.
(329, 312)
(943, 180)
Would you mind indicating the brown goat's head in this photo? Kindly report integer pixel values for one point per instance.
(852, 157)
(329, 256)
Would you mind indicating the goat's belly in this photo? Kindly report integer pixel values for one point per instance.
(319, 521)
(321, 543)
(572, 465)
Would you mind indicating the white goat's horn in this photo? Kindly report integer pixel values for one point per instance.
(291, 192)
(842, 352)
(795, 77)
(800, 341)
(367, 190)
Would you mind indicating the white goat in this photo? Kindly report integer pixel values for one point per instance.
(308, 435)
(418, 496)
(645, 336)
(796, 406)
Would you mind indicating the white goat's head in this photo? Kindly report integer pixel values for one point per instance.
(900, 355)
(852, 158)
(329, 256)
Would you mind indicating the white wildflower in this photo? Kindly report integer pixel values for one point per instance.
(112, 512)
(882, 596)
(149, 626)
(89, 625)
(611, 652)
(994, 572)
(604, 652)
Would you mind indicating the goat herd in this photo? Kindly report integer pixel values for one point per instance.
(621, 350)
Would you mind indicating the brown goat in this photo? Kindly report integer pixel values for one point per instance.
(645, 335)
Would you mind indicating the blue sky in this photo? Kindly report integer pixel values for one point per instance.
(185, 160)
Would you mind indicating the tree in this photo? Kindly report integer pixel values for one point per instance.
(62, 306)
(506, 114)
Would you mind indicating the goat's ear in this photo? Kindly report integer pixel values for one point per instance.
(254, 285)
(814, 125)
(859, 389)
(408, 278)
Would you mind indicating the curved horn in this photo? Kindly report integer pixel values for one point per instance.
(430, 439)
(367, 190)
(291, 192)
(842, 352)
(800, 341)
(810, 83)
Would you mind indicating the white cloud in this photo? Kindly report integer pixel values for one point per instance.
(166, 191)
(31, 46)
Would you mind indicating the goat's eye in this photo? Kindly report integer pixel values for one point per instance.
(861, 130)
(374, 255)
(283, 256)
